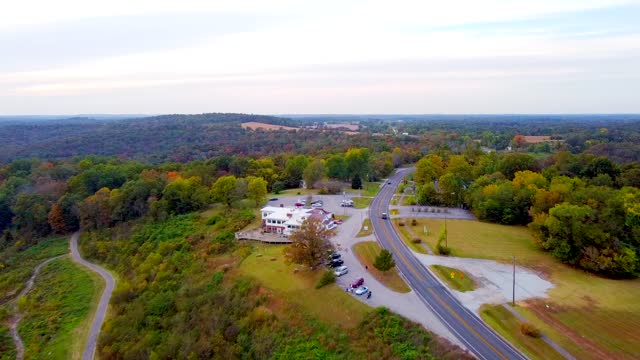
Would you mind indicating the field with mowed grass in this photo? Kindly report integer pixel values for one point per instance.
(366, 252)
(329, 304)
(590, 316)
(366, 229)
(456, 279)
(57, 311)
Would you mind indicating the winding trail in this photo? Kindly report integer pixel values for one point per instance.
(13, 324)
(101, 311)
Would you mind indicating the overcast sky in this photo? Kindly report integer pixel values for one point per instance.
(274, 57)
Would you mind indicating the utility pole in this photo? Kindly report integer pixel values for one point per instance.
(513, 300)
(446, 233)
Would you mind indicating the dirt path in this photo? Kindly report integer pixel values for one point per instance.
(101, 311)
(15, 320)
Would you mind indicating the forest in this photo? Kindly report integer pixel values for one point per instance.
(158, 199)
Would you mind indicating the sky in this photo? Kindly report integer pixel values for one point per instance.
(319, 57)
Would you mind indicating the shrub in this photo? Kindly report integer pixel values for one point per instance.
(326, 279)
(416, 240)
(384, 261)
(530, 330)
(401, 223)
(414, 222)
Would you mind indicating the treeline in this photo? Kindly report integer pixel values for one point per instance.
(38, 198)
(582, 208)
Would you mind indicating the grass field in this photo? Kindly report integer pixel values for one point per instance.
(406, 237)
(368, 231)
(330, 304)
(507, 325)
(368, 189)
(366, 253)
(408, 200)
(589, 316)
(56, 312)
(460, 281)
(17, 266)
(361, 202)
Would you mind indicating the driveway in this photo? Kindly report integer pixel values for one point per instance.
(405, 304)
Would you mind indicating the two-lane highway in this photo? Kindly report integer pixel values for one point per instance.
(472, 331)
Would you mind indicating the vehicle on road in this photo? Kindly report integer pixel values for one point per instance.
(357, 283)
(346, 203)
(362, 290)
(273, 199)
(334, 256)
(342, 270)
(336, 263)
(389, 182)
(384, 216)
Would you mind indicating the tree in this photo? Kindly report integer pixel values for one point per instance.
(222, 190)
(56, 219)
(384, 261)
(313, 173)
(511, 163)
(428, 169)
(31, 215)
(294, 170)
(309, 244)
(427, 195)
(357, 160)
(356, 182)
(256, 189)
(337, 167)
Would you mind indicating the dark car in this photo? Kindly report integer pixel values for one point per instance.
(273, 199)
(334, 256)
(336, 262)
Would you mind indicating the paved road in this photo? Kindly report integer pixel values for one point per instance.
(470, 330)
(101, 311)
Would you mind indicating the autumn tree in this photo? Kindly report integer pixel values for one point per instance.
(56, 219)
(336, 167)
(309, 244)
(384, 261)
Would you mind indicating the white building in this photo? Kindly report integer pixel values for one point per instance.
(281, 220)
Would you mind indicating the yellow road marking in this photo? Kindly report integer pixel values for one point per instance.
(435, 295)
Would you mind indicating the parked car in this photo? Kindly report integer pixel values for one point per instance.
(342, 270)
(357, 283)
(299, 204)
(338, 221)
(273, 199)
(384, 216)
(362, 290)
(334, 256)
(346, 203)
(332, 226)
(317, 204)
(337, 262)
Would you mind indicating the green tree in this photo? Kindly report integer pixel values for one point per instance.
(313, 172)
(294, 170)
(222, 190)
(428, 169)
(256, 189)
(511, 163)
(357, 160)
(384, 261)
(337, 167)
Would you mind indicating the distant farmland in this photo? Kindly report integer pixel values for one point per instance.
(264, 126)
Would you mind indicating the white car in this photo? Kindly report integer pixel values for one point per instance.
(362, 290)
(342, 270)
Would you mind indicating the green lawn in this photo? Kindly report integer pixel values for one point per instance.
(368, 231)
(507, 325)
(56, 312)
(330, 304)
(361, 202)
(407, 238)
(456, 279)
(368, 189)
(366, 253)
(586, 313)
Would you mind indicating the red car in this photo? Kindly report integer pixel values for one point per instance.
(299, 204)
(357, 283)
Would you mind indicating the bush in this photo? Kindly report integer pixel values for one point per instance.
(401, 223)
(414, 222)
(326, 279)
(416, 240)
(530, 330)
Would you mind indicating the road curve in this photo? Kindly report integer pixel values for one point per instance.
(481, 340)
(101, 311)
(13, 326)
